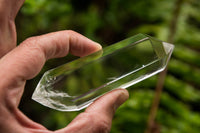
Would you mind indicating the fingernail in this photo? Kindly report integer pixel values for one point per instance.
(98, 46)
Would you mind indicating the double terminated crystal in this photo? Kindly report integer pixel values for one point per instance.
(75, 85)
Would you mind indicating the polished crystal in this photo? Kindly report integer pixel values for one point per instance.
(75, 85)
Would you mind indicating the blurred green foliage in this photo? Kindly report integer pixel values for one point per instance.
(108, 22)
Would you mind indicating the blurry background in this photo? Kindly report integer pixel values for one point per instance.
(109, 21)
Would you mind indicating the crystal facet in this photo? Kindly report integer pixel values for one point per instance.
(75, 85)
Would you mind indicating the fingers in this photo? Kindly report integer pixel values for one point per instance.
(108, 103)
(9, 8)
(25, 61)
(97, 118)
(8, 12)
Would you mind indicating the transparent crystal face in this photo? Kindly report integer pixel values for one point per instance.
(75, 85)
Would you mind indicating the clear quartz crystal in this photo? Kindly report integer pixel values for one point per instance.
(75, 85)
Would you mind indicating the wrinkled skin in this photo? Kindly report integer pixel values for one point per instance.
(18, 64)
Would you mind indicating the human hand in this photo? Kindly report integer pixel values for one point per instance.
(25, 61)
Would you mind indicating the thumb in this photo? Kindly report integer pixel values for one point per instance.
(108, 103)
(97, 118)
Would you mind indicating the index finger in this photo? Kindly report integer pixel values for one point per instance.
(25, 61)
(30, 56)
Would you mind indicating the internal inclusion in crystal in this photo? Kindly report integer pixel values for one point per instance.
(75, 85)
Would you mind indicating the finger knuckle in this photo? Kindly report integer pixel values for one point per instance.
(33, 54)
(71, 32)
(72, 36)
(29, 40)
(32, 44)
(99, 124)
